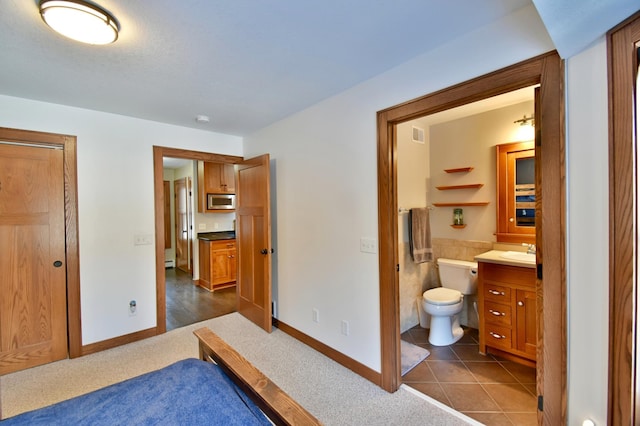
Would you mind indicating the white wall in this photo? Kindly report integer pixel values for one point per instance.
(325, 159)
(115, 202)
(588, 225)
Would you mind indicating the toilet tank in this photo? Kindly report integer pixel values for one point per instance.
(458, 275)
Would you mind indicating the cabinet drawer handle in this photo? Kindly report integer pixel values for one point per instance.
(496, 335)
(496, 292)
(496, 313)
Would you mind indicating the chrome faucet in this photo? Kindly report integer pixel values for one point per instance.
(531, 248)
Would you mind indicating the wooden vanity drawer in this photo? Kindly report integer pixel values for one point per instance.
(497, 313)
(513, 275)
(496, 293)
(498, 336)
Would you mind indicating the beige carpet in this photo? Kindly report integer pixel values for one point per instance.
(334, 394)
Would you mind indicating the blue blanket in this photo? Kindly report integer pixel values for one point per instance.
(189, 392)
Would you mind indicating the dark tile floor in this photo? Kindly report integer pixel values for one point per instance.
(187, 303)
(488, 389)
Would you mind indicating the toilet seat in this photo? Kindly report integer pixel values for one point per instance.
(441, 296)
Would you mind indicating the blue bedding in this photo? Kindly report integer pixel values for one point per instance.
(189, 392)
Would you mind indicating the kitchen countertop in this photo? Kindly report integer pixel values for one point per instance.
(217, 236)
(495, 256)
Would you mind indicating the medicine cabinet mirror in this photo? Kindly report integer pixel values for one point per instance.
(516, 193)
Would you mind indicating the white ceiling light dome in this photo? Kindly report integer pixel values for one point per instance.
(80, 21)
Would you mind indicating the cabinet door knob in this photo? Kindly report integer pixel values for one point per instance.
(520, 303)
(511, 219)
(496, 313)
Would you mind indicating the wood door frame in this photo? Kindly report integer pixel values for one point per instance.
(548, 71)
(624, 392)
(158, 189)
(72, 263)
(186, 181)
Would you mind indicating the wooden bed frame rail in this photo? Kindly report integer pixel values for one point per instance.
(273, 401)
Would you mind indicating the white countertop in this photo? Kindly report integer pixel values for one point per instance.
(495, 256)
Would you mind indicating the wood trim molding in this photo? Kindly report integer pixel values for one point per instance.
(158, 188)
(623, 404)
(339, 357)
(118, 341)
(546, 70)
(68, 144)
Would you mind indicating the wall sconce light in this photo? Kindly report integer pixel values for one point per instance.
(524, 120)
(526, 131)
(80, 21)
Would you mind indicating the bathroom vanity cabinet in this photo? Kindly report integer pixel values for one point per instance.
(507, 311)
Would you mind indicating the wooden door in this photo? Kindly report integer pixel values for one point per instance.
(253, 236)
(33, 310)
(183, 224)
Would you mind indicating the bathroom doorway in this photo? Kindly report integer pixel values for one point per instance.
(545, 70)
(455, 162)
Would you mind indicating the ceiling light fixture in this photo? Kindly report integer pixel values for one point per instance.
(80, 21)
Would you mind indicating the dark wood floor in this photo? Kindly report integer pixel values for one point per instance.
(187, 303)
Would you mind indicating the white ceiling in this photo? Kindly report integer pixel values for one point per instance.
(250, 63)
(244, 63)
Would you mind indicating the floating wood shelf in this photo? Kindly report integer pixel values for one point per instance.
(460, 170)
(457, 226)
(470, 186)
(482, 203)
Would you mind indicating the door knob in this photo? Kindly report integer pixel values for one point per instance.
(57, 263)
(264, 251)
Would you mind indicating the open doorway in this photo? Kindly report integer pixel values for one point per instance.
(453, 168)
(186, 301)
(179, 300)
(545, 70)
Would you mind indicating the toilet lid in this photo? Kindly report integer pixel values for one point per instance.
(442, 296)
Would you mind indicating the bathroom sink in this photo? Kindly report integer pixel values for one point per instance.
(520, 256)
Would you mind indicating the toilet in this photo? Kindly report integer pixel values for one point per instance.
(443, 304)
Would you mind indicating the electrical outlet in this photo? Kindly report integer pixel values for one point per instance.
(202, 226)
(316, 315)
(133, 308)
(368, 245)
(345, 327)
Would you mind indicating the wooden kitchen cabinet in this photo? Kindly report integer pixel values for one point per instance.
(218, 268)
(508, 312)
(218, 178)
(214, 178)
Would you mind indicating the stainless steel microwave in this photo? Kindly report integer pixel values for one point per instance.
(221, 201)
